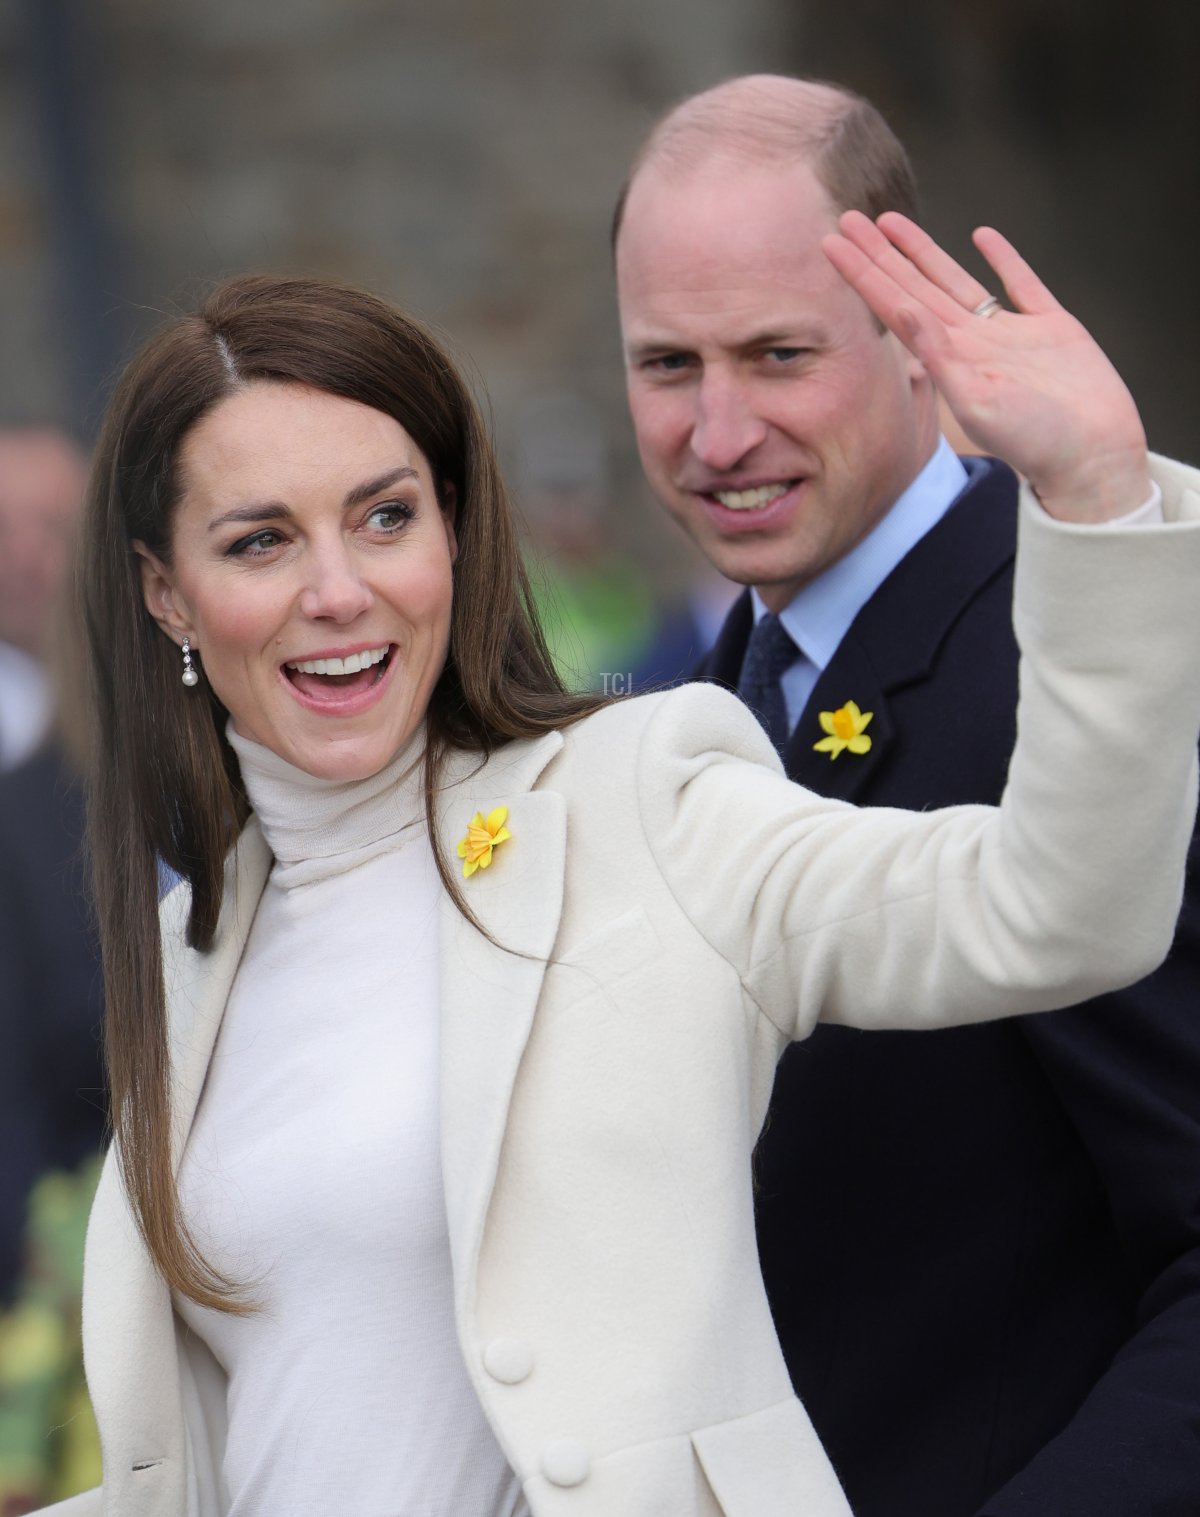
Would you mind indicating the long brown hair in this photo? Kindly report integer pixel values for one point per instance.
(167, 785)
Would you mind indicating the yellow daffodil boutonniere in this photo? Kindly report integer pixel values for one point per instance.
(844, 728)
(484, 834)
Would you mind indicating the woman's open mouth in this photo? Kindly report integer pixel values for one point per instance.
(331, 681)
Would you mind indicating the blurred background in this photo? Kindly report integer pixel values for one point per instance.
(461, 157)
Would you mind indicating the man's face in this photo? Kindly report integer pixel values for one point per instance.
(42, 481)
(774, 419)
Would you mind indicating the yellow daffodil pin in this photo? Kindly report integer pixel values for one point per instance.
(484, 834)
(844, 728)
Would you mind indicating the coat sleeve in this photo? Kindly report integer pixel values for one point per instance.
(1070, 889)
(1127, 1070)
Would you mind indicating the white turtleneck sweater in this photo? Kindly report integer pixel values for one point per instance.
(312, 1172)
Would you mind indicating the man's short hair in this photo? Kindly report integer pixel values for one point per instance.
(772, 118)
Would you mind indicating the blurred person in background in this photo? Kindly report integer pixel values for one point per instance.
(42, 474)
(981, 1245)
(594, 602)
(52, 1109)
(685, 629)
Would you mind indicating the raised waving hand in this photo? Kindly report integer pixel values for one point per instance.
(1029, 385)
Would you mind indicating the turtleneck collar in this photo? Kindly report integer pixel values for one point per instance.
(317, 827)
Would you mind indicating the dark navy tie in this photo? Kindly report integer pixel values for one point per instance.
(768, 653)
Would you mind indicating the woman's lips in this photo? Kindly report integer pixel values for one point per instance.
(336, 693)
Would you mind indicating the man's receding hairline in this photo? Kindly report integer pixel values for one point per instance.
(754, 119)
(757, 115)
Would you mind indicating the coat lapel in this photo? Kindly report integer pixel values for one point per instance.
(489, 989)
(198, 984)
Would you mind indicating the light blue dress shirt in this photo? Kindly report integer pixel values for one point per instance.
(819, 615)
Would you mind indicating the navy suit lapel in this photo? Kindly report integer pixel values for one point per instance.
(894, 640)
(850, 676)
(973, 542)
(722, 665)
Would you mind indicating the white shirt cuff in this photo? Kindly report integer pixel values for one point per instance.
(1148, 514)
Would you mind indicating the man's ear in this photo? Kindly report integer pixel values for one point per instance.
(158, 592)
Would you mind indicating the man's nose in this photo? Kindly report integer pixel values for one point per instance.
(335, 589)
(727, 425)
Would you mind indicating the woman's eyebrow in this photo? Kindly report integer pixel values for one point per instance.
(267, 510)
(384, 482)
(275, 510)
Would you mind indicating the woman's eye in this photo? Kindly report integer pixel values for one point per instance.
(391, 516)
(256, 543)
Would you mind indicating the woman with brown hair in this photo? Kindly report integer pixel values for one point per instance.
(436, 1081)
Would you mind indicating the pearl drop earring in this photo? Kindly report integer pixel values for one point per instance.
(190, 677)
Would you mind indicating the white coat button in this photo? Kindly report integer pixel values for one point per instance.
(508, 1360)
(565, 1462)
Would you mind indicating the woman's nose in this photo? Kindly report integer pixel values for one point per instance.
(335, 589)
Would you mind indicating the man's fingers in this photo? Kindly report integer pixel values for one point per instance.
(1024, 288)
(878, 289)
(916, 327)
(934, 262)
(906, 273)
(909, 257)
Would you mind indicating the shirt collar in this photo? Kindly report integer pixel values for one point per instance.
(819, 615)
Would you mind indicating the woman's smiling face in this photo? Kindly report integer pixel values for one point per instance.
(310, 568)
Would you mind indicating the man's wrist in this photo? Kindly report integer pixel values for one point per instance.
(1101, 490)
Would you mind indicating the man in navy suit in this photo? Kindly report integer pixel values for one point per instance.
(982, 1245)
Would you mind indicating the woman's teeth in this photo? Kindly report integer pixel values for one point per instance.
(751, 500)
(351, 665)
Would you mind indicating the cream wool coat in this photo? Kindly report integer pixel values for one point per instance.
(676, 910)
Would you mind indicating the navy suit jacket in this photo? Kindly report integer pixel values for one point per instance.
(982, 1244)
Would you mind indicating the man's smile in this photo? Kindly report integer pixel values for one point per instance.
(754, 498)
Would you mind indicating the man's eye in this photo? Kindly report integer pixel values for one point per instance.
(786, 355)
(669, 363)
